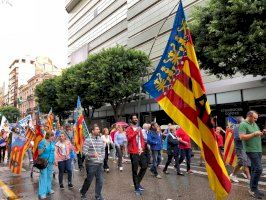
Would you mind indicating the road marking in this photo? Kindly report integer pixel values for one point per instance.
(7, 192)
(205, 173)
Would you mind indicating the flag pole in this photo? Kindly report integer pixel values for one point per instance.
(142, 75)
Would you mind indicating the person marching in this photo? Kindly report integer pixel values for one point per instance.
(155, 142)
(3, 140)
(62, 156)
(108, 145)
(172, 150)
(120, 140)
(250, 134)
(46, 150)
(243, 161)
(185, 148)
(94, 151)
(136, 149)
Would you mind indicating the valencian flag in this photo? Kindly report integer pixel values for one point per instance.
(229, 145)
(38, 136)
(178, 88)
(18, 149)
(78, 128)
(50, 121)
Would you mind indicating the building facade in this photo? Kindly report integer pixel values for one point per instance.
(20, 71)
(97, 24)
(26, 99)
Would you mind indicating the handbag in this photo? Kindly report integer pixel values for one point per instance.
(41, 163)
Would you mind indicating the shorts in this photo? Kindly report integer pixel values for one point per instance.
(242, 158)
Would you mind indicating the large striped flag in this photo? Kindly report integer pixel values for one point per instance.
(18, 149)
(38, 136)
(177, 86)
(50, 121)
(229, 145)
(78, 127)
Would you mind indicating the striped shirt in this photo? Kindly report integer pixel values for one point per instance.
(89, 151)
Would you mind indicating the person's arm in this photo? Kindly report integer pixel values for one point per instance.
(116, 139)
(131, 134)
(245, 137)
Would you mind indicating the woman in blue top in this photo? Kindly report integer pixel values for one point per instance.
(46, 150)
(120, 141)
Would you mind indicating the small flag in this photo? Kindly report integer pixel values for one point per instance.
(229, 145)
(18, 149)
(50, 121)
(78, 128)
(38, 136)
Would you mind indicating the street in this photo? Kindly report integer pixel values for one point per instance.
(119, 185)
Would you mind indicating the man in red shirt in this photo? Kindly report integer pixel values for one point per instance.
(136, 149)
(185, 148)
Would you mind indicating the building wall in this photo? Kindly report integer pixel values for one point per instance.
(27, 104)
(135, 23)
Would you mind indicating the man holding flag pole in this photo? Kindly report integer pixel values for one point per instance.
(94, 151)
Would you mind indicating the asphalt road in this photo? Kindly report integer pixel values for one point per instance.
(119, 185)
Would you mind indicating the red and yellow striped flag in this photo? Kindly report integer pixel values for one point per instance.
(78, 128)
(38, 136)
(229, 148)
(50, 121)
(18, 149)
(177, 86)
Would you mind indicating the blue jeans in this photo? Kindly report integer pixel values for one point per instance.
(62, 166)
(97, 171)
(45, 180)
(156, 160)
(256, 169)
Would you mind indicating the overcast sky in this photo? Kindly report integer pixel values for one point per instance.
(32, 27)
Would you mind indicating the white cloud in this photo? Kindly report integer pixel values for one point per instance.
(32, 27)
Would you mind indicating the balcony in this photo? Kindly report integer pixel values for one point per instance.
(30, 97)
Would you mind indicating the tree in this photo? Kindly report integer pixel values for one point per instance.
(11, 113)
(46, 97)
(78, 80)
(230, 37)
(117, 75)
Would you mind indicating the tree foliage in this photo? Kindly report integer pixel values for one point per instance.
(47, 96)
(117, 74)
(230, 37)
(112, 76)
(11, 113)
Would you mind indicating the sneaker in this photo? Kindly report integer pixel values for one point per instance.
(244, 175)
(165, 171)
(190, 172)
(121, 169)
(43, 197)
(51, 192)
(141, 188)
(180, 174)
(138, 192)
(254, 194)
(234, 178)
(70, 185)
(62, 187)
(158, 176)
